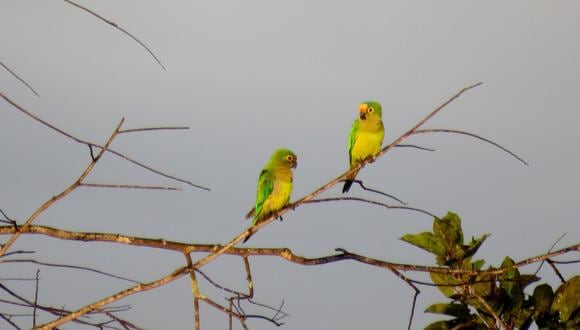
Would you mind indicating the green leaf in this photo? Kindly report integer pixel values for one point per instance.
(542, 299)
(441, 325)
(474, 245)
(511, 283)
(426, 241)
(477, 264)
(527, 279)
(484, 285)
(449, 228)
(567, 298)
(522, 318)
(460, 311)
(443, 281)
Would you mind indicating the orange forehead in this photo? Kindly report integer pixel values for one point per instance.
(363, 107)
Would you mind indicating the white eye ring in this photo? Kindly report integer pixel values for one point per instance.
(370, 110)
(289, 158)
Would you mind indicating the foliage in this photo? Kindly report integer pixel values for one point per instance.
(491, 301)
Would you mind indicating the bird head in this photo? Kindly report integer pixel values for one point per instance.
(285, 158)
(370, 110)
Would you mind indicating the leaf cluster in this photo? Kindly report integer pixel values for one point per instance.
(491, 301)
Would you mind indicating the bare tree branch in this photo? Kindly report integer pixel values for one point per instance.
(113, 24)
(551, 263)
(550, 250)
(7, 218)
(337, 199)
(414, 146)
(68, 266)
(35, 299)
(57, 311)
(283, 253)
(18, 77)
(440, 130)
(91, 145)
(360, 183)
(194, 291)
(498, 322)
(249, 277)
(145, 129)
(127, 186)
(14, 325)
(64, 193)
(178, 273)
(565, 262)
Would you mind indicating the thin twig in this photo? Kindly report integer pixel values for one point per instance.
(565, 262)
(52, 310)
(14, 325)
(20, 79)
(178, 273)
(275, 322)
(144, 129)
(439, 130)
(18, 252)
(550, 250)
(358, 199)
(248, 277)
(7, 218)
(113, 24)
(238, 296)
(414, 146)
(68, 266)
(410, 283)
(499, 323)
(551, 263)
(64, 193)
(90, 144)
(194, 291)
(280, 314)
(219, 286)
(35, 299)
(127, 186)
(125, 324)
(360, 183)
(230, 317)
(2, 279)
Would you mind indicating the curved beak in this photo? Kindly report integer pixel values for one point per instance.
(295, 163)
(362, 109)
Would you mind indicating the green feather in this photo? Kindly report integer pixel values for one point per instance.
(274, 185)
(366, 137)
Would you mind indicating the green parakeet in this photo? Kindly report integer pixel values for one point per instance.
(274, 185)
(366, 137)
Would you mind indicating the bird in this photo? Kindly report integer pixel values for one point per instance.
(366, 137)
(274, 186)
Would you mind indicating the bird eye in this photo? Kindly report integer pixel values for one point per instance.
(289, 158)
(370, 110)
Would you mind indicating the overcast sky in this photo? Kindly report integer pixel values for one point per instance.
(253, 76)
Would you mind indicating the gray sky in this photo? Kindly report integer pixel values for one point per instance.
(252, 76)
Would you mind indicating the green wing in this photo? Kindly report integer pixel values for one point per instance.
(265, 187)
(351, 139)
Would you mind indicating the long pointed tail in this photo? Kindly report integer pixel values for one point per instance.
(348, 182)
(247, 238)
(346, 187)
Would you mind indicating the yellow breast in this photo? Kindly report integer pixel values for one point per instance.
(366, 144)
